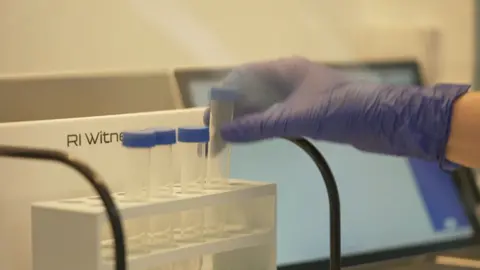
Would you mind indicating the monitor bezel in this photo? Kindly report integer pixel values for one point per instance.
(464, 178)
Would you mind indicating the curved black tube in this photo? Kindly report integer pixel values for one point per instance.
(94, 180)
(333, 199)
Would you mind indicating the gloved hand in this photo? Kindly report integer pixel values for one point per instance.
(294, 97)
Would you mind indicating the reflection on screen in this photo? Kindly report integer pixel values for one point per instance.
(387, 202)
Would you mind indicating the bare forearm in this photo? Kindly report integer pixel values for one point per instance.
(463, 145)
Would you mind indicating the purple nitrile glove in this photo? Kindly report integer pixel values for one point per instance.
(293, 97)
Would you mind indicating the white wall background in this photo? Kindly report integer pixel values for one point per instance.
(67, 35)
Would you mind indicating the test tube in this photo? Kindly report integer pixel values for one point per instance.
(221, 112)
(138, 145)
(192, 143)
(162, 178)
(162, 169)
(218, 163)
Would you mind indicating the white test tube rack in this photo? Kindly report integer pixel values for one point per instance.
(67, 234)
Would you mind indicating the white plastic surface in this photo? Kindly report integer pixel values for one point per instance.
(67, 234)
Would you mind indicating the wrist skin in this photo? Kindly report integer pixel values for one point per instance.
(463, 146)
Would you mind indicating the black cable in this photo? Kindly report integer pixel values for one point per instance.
(94, 180)
(333, 199)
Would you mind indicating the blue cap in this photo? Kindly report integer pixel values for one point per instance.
(223, 94)
(164, 136)
(193, 134)
(139, 139)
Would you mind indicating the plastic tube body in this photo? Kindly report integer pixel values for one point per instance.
(222, 103)
(192, 180)
(162, 177)
(192, 143)
(138, 174)
(135, 186)
(193, 167)
(221, 112)
(162, 171)
(137, 150)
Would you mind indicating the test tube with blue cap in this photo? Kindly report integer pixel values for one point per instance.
(163, 172)
(192, 143)
(138, 145)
